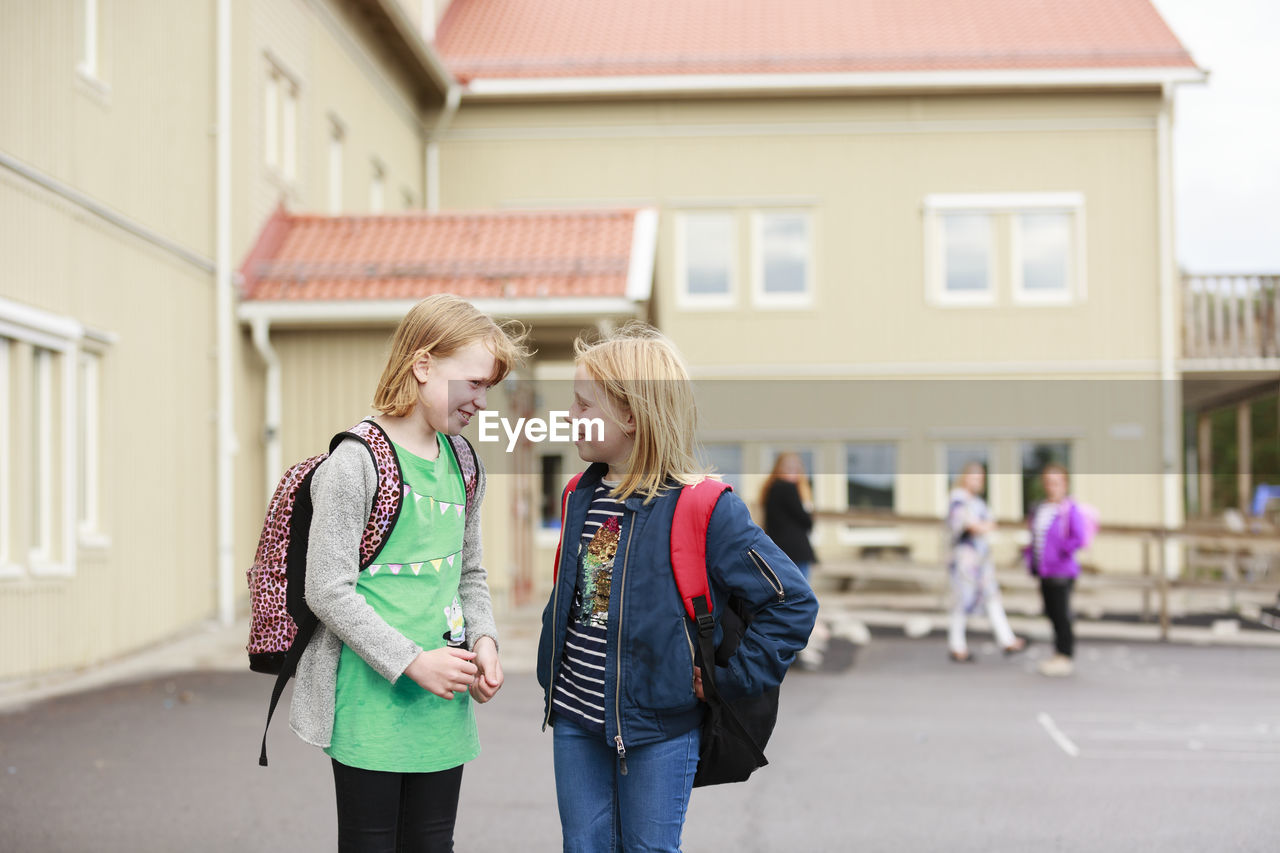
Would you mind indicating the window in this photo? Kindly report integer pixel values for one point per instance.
(706, 247)
(552, 484)
(337, 142)
(724, 460)
(956, 457)
(49, 438)
(870, 476)
(1035, 457)
(1042, 256)
(289, 132)
(377, 187)
(6, 442)
(973, 243)
(89, 39)
(87, 432)
(782, 258)
(966, 257)
(42, 432)
(280, 123)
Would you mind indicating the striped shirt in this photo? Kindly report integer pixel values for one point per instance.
(579, 690)
(1046, 514)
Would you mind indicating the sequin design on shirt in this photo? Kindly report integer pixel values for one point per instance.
(597, 574)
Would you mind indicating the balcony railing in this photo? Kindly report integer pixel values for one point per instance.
(1231, 316)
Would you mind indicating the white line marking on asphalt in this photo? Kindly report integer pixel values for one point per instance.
(1058, 737)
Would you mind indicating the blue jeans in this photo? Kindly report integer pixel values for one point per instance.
(602, 810)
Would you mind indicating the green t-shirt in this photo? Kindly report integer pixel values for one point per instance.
(413, 585)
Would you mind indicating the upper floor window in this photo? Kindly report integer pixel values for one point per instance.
(280, 123)
(972, 240)
(91, 57)
(782, 251)
(377, 187)
(337, 144)
(90, 38)
(706, 253)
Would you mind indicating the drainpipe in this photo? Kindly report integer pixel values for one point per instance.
(1170, 388)
(262, 341)
(451, 100)
(226, 440)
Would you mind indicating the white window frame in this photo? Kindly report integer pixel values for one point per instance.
(936, 205)
(7, 567)
(88, 65)
(1073, 206)
(289, 131)
(89, 456)
(41, 545)
(280, 122)
(61, 335)
(705, 301)
(897, 452)
(377, 186)
(762, 298)
(944, 494)
(337, 153)
(271, 118)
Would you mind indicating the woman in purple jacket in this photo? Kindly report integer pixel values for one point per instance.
(1057, 532)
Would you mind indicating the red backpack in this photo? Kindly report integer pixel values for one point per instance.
(281, 623)
(734, 733)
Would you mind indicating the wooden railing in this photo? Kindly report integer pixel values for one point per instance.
(1231, 316)
(1154, 578)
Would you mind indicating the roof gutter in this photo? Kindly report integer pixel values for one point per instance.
(855, 81)
(377, 312)
(423, 53)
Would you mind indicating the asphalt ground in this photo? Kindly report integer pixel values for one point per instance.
(1147, 747)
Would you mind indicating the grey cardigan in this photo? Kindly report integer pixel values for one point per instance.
(342, 490)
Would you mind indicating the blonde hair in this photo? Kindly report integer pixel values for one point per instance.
(971, 465)
(802, 485)
(642, 373)
(440, 325)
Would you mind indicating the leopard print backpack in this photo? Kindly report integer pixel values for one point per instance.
(281, 624)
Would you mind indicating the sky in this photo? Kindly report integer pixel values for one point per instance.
(1227, 136)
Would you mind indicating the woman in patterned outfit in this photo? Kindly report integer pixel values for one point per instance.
(973, 575)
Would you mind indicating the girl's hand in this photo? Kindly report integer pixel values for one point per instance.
(697, 683)
(489, 678)
(443, 672)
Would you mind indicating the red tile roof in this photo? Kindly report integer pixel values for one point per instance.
(492, 255)
(594, 38)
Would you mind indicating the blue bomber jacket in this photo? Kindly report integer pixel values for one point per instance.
(651, 642)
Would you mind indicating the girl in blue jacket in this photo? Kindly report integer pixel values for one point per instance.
(617, 657)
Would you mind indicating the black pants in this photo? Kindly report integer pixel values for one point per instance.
(396, 812)
(1057, 606)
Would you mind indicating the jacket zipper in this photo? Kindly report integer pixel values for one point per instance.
(617, 687)
(769, 576)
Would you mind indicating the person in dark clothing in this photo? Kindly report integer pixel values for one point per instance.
(787, 499)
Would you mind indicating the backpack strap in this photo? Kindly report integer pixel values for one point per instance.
(689, 543)
(569, 488)
(469, 465)
(388, 498)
